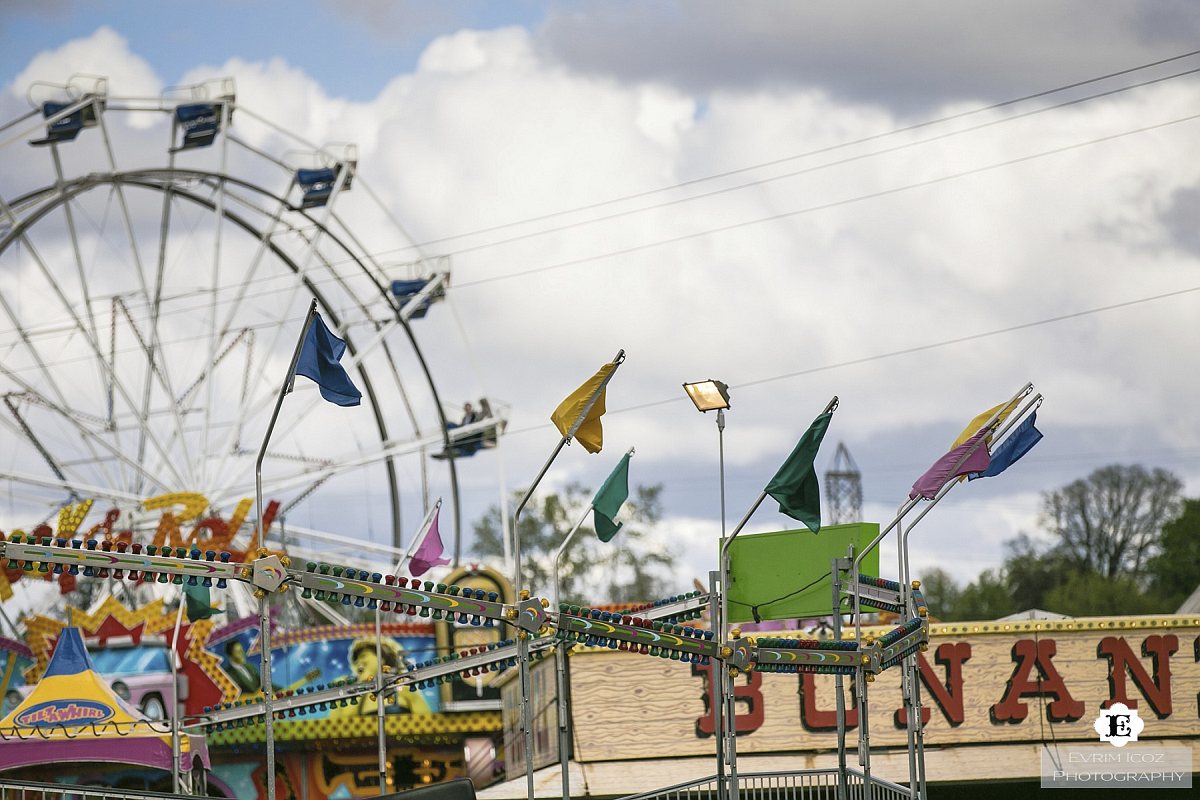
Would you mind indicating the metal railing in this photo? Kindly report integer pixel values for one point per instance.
(813, 784)
(30, 790)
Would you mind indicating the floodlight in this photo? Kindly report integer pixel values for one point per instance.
(709, 395)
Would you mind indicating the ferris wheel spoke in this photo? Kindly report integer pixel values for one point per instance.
(73, 487)
(301, 267)
(341, 464)
(21, 428)
(214, 339)
(144, 426)
(47, 374)
(70, 217)
(94, 346)
(155, 299)
(123, 202)
(91, 439)
(264, 239)
(157, 366)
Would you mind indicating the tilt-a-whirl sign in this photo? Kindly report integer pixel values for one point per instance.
(981, 683)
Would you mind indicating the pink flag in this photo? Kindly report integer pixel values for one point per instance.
(429, 553)
(944, 469)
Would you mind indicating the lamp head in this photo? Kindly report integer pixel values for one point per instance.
(709, 395)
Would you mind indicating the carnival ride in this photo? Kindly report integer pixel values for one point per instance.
(150, 253)
(72, 716)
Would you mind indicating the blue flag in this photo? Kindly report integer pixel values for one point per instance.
(319, 361)
(1011, 449)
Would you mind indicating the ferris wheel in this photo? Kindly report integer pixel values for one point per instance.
(157, 256)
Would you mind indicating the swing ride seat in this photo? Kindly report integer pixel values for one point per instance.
(200, 122)
(406, 290)
(67, 128)
(317, 184)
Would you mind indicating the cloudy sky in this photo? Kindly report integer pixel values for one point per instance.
(802, 202)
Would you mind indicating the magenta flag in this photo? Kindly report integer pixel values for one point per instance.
(429, 553)
(944, 469)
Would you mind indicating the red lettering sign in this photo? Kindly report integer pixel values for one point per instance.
(748, 693)
(949, 695)
(1030, 654)
(1156, 690)
(815, 719)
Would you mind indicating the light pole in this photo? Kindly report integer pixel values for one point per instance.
(713, 395)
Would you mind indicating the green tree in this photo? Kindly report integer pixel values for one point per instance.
(941, 592)
(987, 597)
(1031, 572)
(1090, 594)
(1175, 570)
(629, 568)
(1110, 521)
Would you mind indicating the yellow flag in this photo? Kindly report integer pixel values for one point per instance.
(6, 591)
(571, 412)
(981, 420)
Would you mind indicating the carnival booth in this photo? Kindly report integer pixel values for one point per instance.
(72, 723)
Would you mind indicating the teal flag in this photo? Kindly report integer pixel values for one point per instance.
(795, 484)
(612, 494)
(199, 603)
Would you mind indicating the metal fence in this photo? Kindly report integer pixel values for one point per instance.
(28, 790)
(813, 784)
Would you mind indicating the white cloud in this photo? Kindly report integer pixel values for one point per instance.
(488, 129)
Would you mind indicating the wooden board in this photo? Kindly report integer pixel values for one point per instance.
(628, 706)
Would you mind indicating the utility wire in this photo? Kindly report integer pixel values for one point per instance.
(902, 352)
(826, 206)
(818, 151)
(815, 168)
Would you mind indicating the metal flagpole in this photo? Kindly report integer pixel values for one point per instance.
(175, 743)
(910, 503)
(522, 644)
(910, 676)
(723, 567)
(379, 705)
(560, 667)
(264, 620)
(617, 360)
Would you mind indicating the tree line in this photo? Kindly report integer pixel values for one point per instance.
(1123, 540)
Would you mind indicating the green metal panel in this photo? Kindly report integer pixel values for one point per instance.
(786, 573)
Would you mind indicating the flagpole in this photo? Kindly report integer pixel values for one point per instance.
(830, 408)
(562, 549)
(560, 668)
(175, 744)
(723, 622)
(910, 680)
(617, 360)
(980, 441)
(264, 611)
(522, 645)
(1034, 403)
(912, 502)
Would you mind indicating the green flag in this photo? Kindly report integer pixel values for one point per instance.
(199, 603)
(608, 500)
(795, 484)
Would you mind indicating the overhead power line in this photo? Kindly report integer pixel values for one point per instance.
(817, 151)
(903, 351)
(826, 206)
